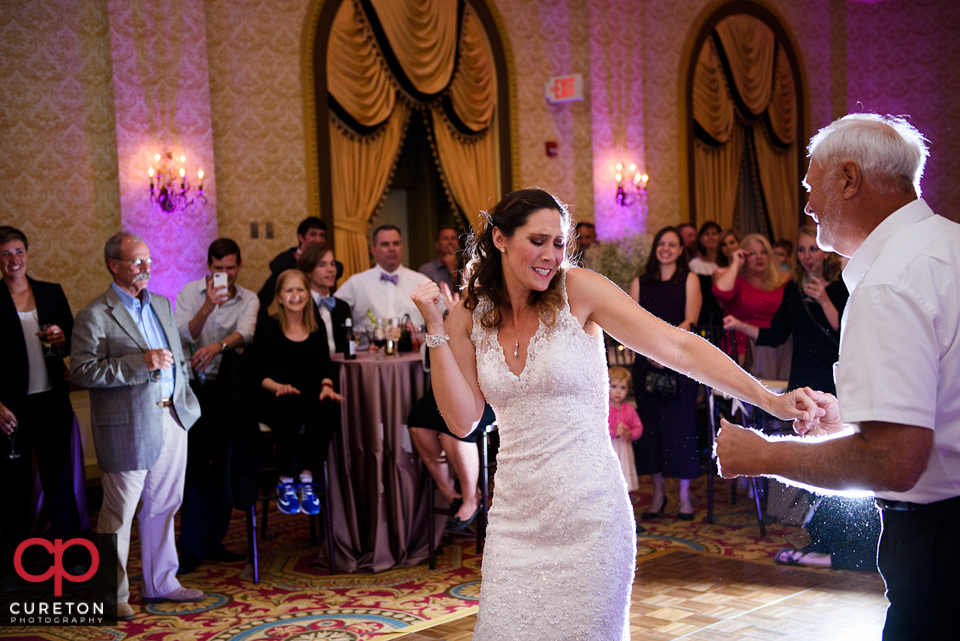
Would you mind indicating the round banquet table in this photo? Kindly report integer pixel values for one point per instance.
(377, 488)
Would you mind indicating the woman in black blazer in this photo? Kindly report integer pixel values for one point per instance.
(34, 401)
(320, 266)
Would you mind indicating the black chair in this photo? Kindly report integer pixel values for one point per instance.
(268, 493)
(618, 354)
(726, 341)
(488, 464)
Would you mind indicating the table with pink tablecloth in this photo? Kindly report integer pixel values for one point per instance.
(377, 487)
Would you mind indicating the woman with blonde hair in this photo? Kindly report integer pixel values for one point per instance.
(752, 290)
(527, 336)
(291, 361)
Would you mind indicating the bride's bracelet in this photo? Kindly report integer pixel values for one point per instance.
(435, 340)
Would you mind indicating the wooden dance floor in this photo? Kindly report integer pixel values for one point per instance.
(705, 597)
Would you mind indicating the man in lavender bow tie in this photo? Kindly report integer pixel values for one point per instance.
(385, 289)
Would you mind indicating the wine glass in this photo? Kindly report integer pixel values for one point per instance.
(379, 337)
(808, 277)
(47, 344)
(11, 437)
(393, 331)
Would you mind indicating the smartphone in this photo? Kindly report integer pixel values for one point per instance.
(219, 280)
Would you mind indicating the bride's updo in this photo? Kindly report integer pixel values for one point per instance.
(484, 269)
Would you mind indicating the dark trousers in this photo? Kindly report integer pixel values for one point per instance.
(848, 529)
(206, 509)
(303, 427)
(920, 563)
(45, 425)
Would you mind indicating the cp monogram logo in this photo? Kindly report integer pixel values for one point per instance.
(57, 572)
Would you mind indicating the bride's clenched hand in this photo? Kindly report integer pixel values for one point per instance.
(427, 299)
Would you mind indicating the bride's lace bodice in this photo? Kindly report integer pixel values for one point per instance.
(561, 542)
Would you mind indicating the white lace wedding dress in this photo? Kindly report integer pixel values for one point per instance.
(559, 558)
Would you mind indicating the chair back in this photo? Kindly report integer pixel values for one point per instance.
(617, 354)
(723, 339)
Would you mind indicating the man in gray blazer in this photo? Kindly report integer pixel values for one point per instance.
(126, 350)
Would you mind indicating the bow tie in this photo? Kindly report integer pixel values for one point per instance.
(392, 279)
(329, 302)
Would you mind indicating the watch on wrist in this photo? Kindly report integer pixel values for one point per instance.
(223, 346)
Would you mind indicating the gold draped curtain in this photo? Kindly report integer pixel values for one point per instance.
(764, 82)
(422, 35)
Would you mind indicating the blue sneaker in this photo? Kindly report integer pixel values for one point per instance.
(287, 500)
(309, 501)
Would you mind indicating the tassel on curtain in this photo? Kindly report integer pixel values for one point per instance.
(360, 174)
(474, 182)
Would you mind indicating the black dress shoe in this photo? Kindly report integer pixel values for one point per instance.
(454, 524)
(648, 516)
(685, 516)
(225, 555)
(188, 563)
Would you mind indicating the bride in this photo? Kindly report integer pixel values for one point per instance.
(526, 336)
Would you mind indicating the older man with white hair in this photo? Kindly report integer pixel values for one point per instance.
(896, 428)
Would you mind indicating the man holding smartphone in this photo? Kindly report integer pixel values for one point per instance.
(213, 315)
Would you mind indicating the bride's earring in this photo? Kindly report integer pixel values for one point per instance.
(503, 250)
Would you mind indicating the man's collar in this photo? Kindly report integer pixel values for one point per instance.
(128, 299)
(388, 273)
(865, 255)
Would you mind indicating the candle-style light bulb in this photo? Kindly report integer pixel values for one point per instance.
(183, 159)
(633, 167)
(619, 167)
(637, 178)
(156, 157)
(182, 172)
(619, 177)
(200, 174)
(150, 171)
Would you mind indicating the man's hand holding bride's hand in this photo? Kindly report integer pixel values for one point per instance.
(797, 406)
(829, 422)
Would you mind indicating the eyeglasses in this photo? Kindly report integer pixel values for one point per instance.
(137, 263)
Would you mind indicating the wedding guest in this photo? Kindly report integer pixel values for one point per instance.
(667, 400)
(310, 231)
(704, 263)
(319, 264)
(783, 255)
(35, 412)
(446, 268)
(211, 320)
(688, 233)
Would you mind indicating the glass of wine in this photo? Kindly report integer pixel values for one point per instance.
(11, 437)
(393, 331)
(379, 338)
(47, 345)
(808, 277)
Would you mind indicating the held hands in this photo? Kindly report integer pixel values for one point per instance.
(157, 359)
(829, 422)
(8, 422)
(427, 299)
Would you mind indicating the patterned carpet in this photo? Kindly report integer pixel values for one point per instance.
(295, 600)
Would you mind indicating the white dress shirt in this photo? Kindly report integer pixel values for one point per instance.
(327, 321)
(900, 339)
(239, 314)
(367, 290)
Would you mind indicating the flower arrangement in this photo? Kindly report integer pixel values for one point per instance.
(621, 260)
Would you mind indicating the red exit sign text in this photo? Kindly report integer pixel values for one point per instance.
(564, 88)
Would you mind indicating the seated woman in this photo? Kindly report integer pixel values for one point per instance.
(433, 440)
(319, 264)
(291, 361)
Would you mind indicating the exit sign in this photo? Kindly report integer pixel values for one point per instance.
(564, 88)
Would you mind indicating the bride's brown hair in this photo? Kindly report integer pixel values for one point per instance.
(484, 269)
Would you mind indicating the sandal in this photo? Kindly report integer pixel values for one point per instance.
(789, 556)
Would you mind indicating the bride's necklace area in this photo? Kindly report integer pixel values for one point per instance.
(516, 346)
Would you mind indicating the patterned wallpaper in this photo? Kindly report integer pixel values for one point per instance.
(87, 92)
(254, 53)
(58, 153)
(920, 77)
(162, 101)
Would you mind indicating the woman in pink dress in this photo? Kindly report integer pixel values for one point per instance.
(753, 288)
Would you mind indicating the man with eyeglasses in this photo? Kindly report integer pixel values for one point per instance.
(126, 350)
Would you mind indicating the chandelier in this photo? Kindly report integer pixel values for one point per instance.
(171, 192)
(636, 193)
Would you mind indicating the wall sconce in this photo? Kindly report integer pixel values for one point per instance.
(636, 193)
(170, 197)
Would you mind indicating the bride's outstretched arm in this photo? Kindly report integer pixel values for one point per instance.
(453, 365)
(594, 299)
